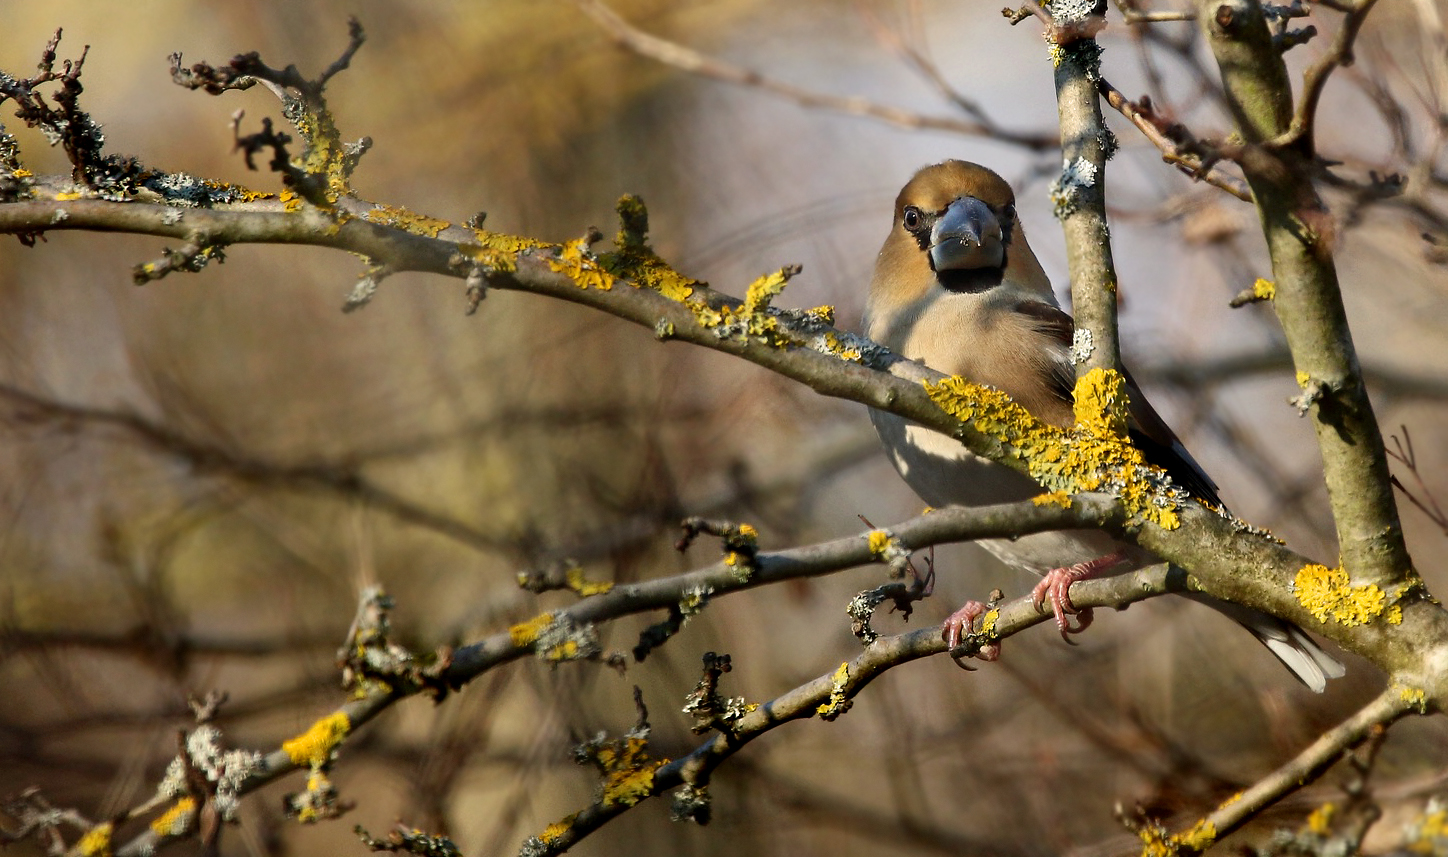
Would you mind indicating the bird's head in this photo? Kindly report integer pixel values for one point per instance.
(955, 244)
(960, 218)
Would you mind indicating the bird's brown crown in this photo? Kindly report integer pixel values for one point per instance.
(936, 186)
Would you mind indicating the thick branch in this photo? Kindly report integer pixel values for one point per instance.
(1232, 563)
(1080, 197)
(1300, 235)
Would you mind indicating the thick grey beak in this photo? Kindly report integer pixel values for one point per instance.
(968, 235)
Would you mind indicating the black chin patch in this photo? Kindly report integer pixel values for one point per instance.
(970, 280)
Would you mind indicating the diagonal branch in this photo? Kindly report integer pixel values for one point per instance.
(1394, 702)
(829, 696)
(724, 577)
(1314, 80)
(694, 62)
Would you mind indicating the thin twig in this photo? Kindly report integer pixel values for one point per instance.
(1177, 145)
(1314, 80)
(692, 61)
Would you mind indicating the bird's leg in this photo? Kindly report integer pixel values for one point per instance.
(962, 622)
(1057, 586)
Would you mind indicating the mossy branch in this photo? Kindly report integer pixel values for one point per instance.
(1300, 234)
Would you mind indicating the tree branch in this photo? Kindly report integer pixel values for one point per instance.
(1300, 236)
(692, 61)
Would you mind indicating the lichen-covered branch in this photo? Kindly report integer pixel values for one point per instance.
(827, 696)
(570, 634)
(1300, 235)
(1393, 703)
(1079, 193)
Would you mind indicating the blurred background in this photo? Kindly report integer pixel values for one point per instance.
(196, 477)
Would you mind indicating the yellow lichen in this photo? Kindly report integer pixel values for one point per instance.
(526, 633)
(630, 772)
(291, 203)
(66, 196)
(314, 747)
(558, 829)
(1328, 593)
(838, 702)
(764, 290)
(575, 262)
(1319, 821)
(1101, 402)
(879, 540)
(1264, 289)
(1072, 460)
(566, 650)
(22, 173)
(837, 347)
(409, 221)
(510, 244)
(1395, 615)
(1054, 50)
(585, 587)
(1430, 833)
(1415, 697)
(173, 822)
(1053, 498)
(96, 842)
(988, 623)
(1303, 379)
(1156, 841)
(1200, 837)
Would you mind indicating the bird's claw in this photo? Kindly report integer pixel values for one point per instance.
(1056, 586)
(958, 625)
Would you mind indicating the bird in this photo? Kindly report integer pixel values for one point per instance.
(957, 288)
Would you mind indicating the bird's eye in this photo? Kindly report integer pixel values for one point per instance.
(912, 218)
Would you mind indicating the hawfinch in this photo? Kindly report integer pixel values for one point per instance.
(956, 287)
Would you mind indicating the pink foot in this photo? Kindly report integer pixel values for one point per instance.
(962, 622)
(1057, 586)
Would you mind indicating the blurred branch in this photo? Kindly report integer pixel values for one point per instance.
(692, 61)
(1310, 764)
(1314, 80)
(1403, 451)
(334, 477)
(1198, 374)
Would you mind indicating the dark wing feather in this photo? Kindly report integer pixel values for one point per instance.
(1148, 431)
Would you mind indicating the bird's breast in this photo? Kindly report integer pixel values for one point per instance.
(943, 472)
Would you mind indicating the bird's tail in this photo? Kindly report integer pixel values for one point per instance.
(1312, 666)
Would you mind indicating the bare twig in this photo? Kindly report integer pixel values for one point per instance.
(1424, 499)
(692, 61)
(1177, 145)
(1314, 80)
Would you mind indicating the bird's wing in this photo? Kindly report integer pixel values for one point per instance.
(1148, 431)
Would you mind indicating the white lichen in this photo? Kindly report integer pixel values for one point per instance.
(1082, 344)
